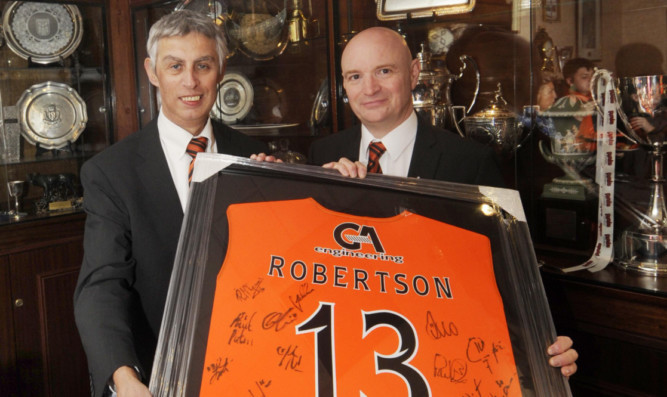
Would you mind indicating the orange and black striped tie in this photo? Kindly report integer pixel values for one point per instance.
(196, 145)
(375, 151)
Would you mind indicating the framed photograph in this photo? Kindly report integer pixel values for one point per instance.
(588, 29)
(388, 10)
(551, 11)
(291, 280)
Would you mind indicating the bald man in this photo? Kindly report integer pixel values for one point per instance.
(378, 76)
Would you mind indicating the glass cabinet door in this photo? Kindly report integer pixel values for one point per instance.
(54, 86)
(606, 63)
(276, 84)
(522, 103)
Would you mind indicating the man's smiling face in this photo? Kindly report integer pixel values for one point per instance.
(187, 73)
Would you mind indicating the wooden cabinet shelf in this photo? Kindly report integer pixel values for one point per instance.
(618, 321)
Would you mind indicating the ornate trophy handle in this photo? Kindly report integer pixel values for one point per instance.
(546, 153)
(465, 58)
(630, 134)
(455, 120)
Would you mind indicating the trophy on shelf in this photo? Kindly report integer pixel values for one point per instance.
(431, 96)
(569, 147)
(642, 101)
(15, 189)
(497, 124)
(572, 159)
(301, 27)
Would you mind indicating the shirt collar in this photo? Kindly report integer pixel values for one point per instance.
(397, 140)
(176, 139)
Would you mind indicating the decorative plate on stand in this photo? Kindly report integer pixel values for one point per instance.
(235, 97)
(51, 115)
(42, 32)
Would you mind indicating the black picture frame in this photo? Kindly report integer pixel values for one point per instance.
(588, 29)
(551, 11)
(495, 213)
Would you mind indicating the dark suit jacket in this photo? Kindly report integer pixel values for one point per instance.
(132, 228)
(438, 154)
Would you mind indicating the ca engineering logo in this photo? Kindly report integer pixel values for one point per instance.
(352, 238)
(352, 241)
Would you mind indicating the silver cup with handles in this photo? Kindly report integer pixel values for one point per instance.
(642, 107)
(642, 97)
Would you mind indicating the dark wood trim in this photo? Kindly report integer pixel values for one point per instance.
(30, 235)
(122, 62)
(333, 31)
(141, 3)
(8, 347)
(45, 333)
(60, 338)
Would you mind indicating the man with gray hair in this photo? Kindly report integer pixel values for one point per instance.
(135, 195)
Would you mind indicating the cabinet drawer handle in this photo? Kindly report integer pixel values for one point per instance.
(18, 302)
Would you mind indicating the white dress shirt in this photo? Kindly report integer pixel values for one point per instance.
(175, 140)
(399, 143)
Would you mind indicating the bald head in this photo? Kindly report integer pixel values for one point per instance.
(378, 76)
(379, 38)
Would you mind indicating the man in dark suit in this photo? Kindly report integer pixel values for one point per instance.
(437, 154)
(135, 194)
(379, 75)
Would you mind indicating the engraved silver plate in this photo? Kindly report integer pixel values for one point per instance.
(42, 32)
(51, 115)
(235, 97)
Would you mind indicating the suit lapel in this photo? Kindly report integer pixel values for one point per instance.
(154, 172)
(351, 150)
(425, 157)
(221, 141)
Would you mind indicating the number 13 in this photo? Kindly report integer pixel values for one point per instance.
(321, 322)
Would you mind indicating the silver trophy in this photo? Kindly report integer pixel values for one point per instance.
(642, 107)
(15, 189)
(498, 125)
(431, 96)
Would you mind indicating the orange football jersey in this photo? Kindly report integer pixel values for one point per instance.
(313, 302)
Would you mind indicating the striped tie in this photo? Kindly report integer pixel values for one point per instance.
(375, 151)
(196, 145)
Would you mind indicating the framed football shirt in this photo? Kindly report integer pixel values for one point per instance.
(294, 281)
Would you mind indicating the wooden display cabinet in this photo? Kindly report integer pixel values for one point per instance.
(83, 69)
(41, 252)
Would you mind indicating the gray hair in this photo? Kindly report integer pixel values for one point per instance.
(182, 23)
